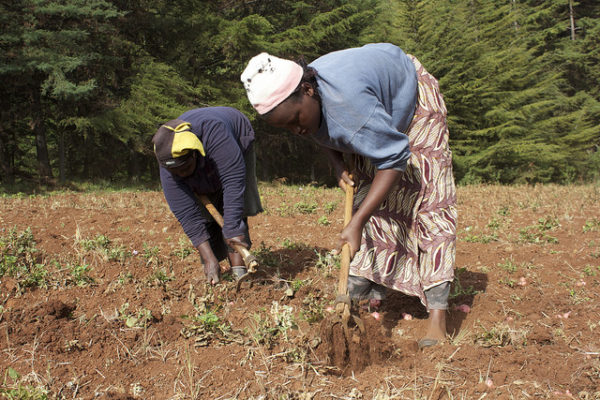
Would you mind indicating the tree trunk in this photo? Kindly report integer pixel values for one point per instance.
(39, 130)
(516, 23)
(572, 18)
(6, 161)
(134, 165)
(87, 157)
(61, 157)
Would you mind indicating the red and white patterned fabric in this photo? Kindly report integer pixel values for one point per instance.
(409, 243)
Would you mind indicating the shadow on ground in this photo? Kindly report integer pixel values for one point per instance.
(466, 286)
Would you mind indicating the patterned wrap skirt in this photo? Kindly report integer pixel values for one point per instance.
(409, 243)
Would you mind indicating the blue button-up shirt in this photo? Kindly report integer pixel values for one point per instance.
(368, 99)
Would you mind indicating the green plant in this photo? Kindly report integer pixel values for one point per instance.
(80, 274)
(209, 320)
(19, 258)
(527, 236)
(457, 287)
(471, 238)
(501, 335)
(547, 223)
(159, 276)
(330, 207)
(323, 220)
(266, 256)
(139, 318)
(305, 208)
(578, 297)
(504, 211)
(328, 261)
(267, 330)
(297, 284)
(291, 245)
(184, 248)
(508, 266)
(104, 247)
(538, 233)
(124, 277)
(99, 242)
(590, 270)
(592, 225)
(312, 309)
(151, 255)
(284, 210)
(508, 282)
(494, 223)
(15, 390)
(206, 326)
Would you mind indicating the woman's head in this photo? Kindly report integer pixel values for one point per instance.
(175, 147)
(284, 93)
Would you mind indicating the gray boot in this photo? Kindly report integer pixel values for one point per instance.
(238, 272)
(359, 288)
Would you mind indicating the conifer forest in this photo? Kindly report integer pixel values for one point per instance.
(85, 83)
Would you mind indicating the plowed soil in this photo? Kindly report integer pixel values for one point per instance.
(102, 296)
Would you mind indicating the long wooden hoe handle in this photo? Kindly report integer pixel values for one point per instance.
(249, 258)
(345, 262)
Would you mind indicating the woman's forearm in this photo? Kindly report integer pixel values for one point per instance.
(383, 182)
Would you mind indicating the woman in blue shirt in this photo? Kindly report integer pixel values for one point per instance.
(209, 151)
(381, 108)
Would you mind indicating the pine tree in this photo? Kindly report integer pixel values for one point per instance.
(514, 83)
(61, 47)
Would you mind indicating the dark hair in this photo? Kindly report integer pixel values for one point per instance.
(309, 76)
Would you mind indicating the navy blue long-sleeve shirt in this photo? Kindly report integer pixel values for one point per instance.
(226, 135)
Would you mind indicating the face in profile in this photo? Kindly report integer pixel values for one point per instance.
(299, 114)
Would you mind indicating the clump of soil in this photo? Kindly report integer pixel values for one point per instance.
(352, 350)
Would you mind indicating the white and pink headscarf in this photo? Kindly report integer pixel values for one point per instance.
(269, 80)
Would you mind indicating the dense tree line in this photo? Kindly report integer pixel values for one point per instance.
(86, 82)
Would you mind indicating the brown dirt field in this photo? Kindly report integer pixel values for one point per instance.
(113, 306)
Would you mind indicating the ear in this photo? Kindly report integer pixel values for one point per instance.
(308, 89)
